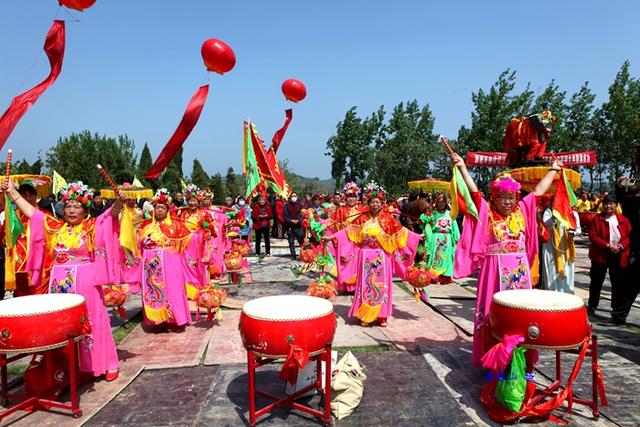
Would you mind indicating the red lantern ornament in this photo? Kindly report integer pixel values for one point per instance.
(78, 5)
(294, 90)
(218, 56)
(419, 277)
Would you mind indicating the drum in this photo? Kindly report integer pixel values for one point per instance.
(546, 319)
(41, 322)
(269, 324)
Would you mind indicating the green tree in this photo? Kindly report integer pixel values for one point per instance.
(198, 176)
(218, 189)
(145, 163)
(171, 177)
(619, 119)
(579, 123)
(492, 112)
(352, 147)
(232, 186)
(403, 154)
(75, 157)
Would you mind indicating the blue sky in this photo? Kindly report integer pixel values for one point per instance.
(131, 66)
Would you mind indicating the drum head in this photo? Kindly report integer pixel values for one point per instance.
(39, 304)
(536, 299)
(287, 307)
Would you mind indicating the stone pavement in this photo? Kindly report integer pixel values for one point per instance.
(418, 368)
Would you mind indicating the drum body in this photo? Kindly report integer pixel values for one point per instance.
(41, 322)
(546, 319)
(268, 325)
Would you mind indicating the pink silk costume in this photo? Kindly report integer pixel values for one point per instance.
(203, 222)
(219, 242)
(503, 259)
(377, 256)
(339, 220)
(171, 257)
(84, 257)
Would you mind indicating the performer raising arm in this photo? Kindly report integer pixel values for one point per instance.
(502, 243)
(79, 249)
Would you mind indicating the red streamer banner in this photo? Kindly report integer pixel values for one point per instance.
(54, 48)
(277, 137)
(188, 122)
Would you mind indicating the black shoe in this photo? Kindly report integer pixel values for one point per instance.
(591, 311)
(618, 322)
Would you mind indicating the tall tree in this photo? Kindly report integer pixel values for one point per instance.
(578, 124)
(218, 189)
(75, 157)
(620, 122)
(145, 164)
(171, 177)
(404, 153)
(232, 186)
(198, 176)
(351, 148)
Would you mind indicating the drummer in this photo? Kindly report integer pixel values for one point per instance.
(71, 244)
(502, 243)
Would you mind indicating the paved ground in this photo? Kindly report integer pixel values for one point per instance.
(418, 368)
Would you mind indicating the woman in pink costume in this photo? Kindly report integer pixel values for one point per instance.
(381, 248)
(502, 243)
(171, 256)
(78, 255)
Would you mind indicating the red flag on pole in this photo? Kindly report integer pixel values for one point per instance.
(188, 122)
(54, 48)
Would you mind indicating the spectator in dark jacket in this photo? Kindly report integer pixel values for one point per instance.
(293, 220)
(609, 234)
(261, 215)
(628, 194)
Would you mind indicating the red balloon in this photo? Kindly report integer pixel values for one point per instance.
(294, 90)
(79, 5)
(218, 56)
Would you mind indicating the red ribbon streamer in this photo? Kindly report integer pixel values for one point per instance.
(188, 122)
(297, 359)
(277, 137)
(54, 48)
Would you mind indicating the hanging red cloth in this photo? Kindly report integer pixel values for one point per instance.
(54, 48)
(188, 122)
(277, 137)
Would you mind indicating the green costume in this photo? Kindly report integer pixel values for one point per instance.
(442, 234)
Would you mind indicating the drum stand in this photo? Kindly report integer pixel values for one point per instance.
(597, 384)
(39, 401)
(254, 361)
(235, 277)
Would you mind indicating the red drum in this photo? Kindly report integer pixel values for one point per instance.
(269, 324)
(41, 322)
(546, 319)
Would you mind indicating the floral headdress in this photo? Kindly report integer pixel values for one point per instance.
(192, 190)
(351, 188)
(505, 184)
(207, 193)
(372, 190)
(77, 191)
(162, 196)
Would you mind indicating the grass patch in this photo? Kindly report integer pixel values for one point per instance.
(124, 330)
(15, 370)
(365, 348)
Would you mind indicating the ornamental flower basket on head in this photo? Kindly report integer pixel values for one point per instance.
(419, 277)
(323, 287)
(241, 247)
(114, 297)
(210, 298)
(233, 261)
